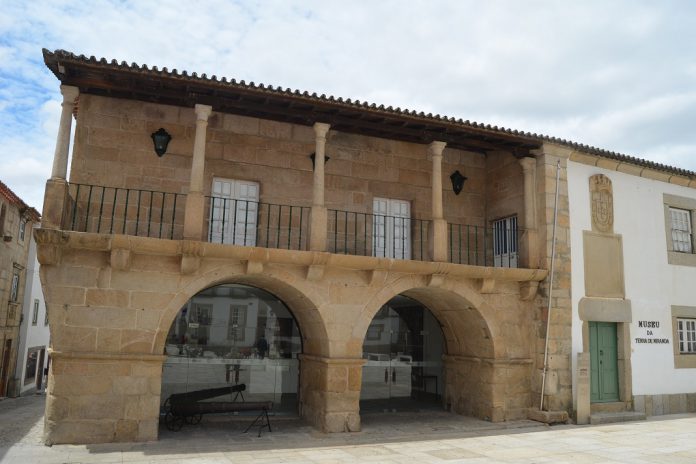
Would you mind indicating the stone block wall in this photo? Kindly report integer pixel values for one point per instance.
(113, 148)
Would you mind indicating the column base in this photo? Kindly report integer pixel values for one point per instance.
(55, 202)
(318, 228)
(193, 216)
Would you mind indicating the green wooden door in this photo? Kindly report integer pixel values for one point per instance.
(604, 372)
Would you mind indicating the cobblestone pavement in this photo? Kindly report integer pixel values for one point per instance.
(396, 438)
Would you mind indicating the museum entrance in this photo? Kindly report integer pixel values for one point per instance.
(234, 336)
(403, 349)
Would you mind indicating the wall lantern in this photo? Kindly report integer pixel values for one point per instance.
(313, 155)
(457, 182)
(161, 139)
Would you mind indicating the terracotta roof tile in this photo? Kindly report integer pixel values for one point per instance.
(13, 199)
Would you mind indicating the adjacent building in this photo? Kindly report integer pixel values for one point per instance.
(633, 270)
(16, 222)
(334, 256)
(34, 332)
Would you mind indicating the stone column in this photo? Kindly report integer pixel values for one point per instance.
(528, 243)
(56, 192)
(438, 242)
(330, 392)
(318, 225)
(195, 201)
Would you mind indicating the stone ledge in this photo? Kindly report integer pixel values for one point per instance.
(146, 357)
(548, 417)
(163, 247)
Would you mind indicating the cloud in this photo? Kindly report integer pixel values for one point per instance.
(618, 75)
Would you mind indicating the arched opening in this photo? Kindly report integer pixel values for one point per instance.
(403, 349)
(232, 335)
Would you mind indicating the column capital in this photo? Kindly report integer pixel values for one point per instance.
(69, 93)
(202, 111)
(321, 129)
(528, 163)
(435, 148)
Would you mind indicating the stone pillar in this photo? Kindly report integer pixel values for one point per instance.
(583, 389)
(102, 397)
(318, 224)
(195, 201)
(56, 194)
(529, 245)
(330, 392)
(438, 242)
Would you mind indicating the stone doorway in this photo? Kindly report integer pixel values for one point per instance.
(230, 335)
(403, 350)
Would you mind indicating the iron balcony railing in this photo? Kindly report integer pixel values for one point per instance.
(366, 234)
(252, 223)
(483, 246)
(113, 210)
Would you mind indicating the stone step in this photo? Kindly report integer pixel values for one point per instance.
(613, 417)
(614, 406)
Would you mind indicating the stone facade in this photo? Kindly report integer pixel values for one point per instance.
(113, 296)
(16, 222)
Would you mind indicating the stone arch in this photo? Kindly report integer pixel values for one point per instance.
(300, 299)
(455, 305)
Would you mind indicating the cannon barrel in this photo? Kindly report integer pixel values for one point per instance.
(208, 393)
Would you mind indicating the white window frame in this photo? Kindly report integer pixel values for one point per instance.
(680, 227)
(234, 210)
(686, 333)
(14, 292)
(505, 242)
(391, 228)
(236, 325)
(35, 314)
(22, 229)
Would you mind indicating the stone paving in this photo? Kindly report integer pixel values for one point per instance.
(432, 437)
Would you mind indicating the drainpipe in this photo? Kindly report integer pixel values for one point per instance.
(548, 309)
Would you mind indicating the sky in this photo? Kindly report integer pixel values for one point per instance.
(617, 75)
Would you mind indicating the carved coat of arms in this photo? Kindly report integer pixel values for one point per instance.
(602, 201)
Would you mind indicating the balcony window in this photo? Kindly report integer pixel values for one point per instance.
(505, 242)
(234, 209)
(392, 228)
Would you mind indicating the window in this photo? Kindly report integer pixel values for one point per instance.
(505, 242)
(45, 314)
(15, 286)
(681, 230)
(3, 212)
(233, 212)
(680, 217)
(31, 365)
(35, 315)
(236, 323)
(391, 225)
(22, 229)
(686, 330)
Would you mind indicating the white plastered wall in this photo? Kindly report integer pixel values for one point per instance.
(652, 285)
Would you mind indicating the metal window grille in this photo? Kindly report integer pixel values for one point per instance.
(505, 242)
(686, 329)
(15, 287)
(681, 230)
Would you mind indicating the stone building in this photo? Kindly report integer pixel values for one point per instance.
(334, 256)
(16, 221)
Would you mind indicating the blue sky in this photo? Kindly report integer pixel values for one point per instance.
(619, 75)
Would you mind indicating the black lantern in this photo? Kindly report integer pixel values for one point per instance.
(161, 139)
(313, 156)
(457, 182)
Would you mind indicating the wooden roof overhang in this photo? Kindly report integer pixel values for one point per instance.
(111, 79)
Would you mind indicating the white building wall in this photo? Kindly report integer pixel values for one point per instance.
(652, 285)
(32, 336)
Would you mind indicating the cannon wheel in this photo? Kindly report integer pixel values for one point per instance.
(173, 422)
(194, 419)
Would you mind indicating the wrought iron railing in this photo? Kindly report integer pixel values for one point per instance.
(366, 234)
(115, 210)
(483, 246)
(251, 223)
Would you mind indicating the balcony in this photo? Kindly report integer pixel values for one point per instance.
(154, 214)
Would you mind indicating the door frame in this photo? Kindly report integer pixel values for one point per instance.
(611, 310)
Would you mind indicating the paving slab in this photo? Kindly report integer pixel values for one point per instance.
(403, 438)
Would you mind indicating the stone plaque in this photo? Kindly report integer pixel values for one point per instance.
(602, 201)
